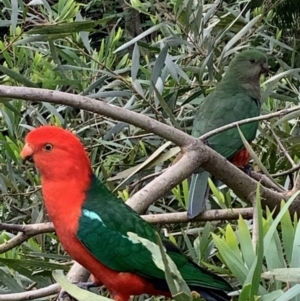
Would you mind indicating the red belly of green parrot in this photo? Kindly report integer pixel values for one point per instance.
(121, 285)
(241, 159)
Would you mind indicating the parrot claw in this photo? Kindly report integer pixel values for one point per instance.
(247, 169)
(64, 296)
(87, 285)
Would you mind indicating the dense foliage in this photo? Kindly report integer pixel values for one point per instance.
(158, 58)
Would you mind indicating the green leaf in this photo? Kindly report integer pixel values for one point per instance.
(139, 37)
(288, 234)
(259, 247)
(74, 290)
(17, 77)
(245, 242)
(283, 274)
(10, 282)
(66, 28)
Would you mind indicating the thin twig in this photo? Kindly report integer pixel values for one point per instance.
(287, 172)
(76, 274)
(248, 120)
(140, 120)
(296, 186)
(24, 233)
(7, 194)
(281, 146)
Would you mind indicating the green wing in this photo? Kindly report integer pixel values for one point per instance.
(217, 110)
(103, 228)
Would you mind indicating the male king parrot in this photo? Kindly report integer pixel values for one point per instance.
(92, 224)
(236, 97)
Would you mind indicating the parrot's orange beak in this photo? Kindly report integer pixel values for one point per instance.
(27, 152)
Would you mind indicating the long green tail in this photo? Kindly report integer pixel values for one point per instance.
(198, 195)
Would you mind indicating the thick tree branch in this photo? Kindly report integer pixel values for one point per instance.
(85, 103)
(209, 215)
(265, 181)
(172, 176)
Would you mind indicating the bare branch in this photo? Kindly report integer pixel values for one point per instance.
(32, 229)
(265, 181)
(287, 172)
(34, 294)
(209, 215)
(24, 233)
(172, 176)
(85, 103)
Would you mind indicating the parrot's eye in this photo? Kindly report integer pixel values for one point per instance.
(252, 61)
(48, 147)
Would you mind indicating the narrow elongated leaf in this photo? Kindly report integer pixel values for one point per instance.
(166, 108)
(288, 234)
(275, 223)
(292, 292)
(245, 242)
(234, 263)
(283, 274)
(259, 247)
(18, 77)
(241, 33)
(159, 65)
(135, 62)
(10, 282)
(160, 159)
(139, 37)
(74, 290)
(63, 28)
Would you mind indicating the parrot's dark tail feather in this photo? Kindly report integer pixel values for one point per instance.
(212, 295)
(198, 193)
